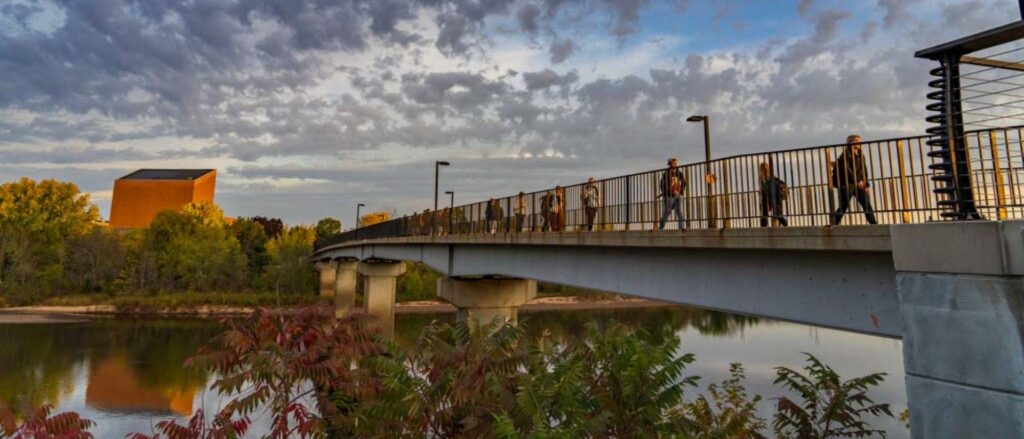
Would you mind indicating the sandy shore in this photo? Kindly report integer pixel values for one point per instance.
(76, 314)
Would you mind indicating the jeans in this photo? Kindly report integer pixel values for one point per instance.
(844, 204)
(672, 203)
(774, 211)
(591, 213)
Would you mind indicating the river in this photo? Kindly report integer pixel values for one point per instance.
(126, 374)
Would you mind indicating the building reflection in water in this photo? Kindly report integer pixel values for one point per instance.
(115, 386)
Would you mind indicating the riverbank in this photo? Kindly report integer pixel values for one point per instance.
(79, 313)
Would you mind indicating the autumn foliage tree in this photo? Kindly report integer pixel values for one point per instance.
(38, 221)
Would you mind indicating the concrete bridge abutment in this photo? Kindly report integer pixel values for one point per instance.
(327, 271)
(485, 299)
(346, 276)
(380, 280)
(961, 295)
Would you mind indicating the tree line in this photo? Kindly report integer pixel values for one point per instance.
(53, 243)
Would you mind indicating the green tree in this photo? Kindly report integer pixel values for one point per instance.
(253, 240)
(193, 250)
(290, 270)
(829, 406)
(37, 220)
(327, 228)
(728, 414)
(94, 261)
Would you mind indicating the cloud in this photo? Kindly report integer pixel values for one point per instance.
(548, 78)
(353, 98)
(561, 50)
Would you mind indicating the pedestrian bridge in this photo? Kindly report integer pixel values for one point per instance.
(951, 290)
(894, 266)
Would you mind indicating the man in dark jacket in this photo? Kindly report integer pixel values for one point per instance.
(673, 182)
(850, 177)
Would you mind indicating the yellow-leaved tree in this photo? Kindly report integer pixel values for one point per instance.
(37, 221)
(374, 218)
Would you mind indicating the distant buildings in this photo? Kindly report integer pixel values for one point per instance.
(139, 196)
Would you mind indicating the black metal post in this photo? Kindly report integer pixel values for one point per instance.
(357, 218)
(957, 142)
(437, 177)
(708, 177)
(451, 211)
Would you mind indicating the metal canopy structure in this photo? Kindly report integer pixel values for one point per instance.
(973, 43)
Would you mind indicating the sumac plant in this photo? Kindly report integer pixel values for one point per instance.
(287, 365)
(42, 424)
(828, 406)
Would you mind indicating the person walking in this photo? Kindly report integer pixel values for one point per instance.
(545, 210)
(850, 178)
(773, 193)
(673, 182)
(491, 215)
(558, 210)
(591, 199)
(521, 212)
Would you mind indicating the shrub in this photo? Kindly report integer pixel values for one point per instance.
(829, 407)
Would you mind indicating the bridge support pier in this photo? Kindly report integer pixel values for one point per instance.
(379, 283)
(487, 299)
(961, 295)
(346, 275)
(328, 272)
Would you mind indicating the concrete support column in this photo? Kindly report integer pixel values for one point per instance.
(345, 287)
(962, 299)
(486, 299)
(328, 272)
(379, 284)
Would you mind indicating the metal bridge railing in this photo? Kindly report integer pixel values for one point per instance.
(899, 186)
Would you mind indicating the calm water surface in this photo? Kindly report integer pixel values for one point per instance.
(126, 374)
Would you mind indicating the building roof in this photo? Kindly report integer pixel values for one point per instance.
(167, 174)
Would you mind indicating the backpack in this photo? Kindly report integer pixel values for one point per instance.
(783, 189)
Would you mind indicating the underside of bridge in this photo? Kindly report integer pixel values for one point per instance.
(841, 278)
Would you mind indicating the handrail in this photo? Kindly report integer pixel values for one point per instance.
(899, 189)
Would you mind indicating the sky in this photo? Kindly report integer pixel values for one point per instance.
(307, 107)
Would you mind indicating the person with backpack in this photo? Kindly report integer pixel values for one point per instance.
(673, 182)
(773, 193)
(850, 178)
(490, 215)
(558, 210)
(591, 199)
(546, 201)
(521, 211)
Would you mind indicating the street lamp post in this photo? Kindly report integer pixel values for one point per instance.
(709, 178)
(451, 210)
(359, 205)
(437, 175)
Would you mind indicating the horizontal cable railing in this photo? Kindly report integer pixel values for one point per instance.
(895, 175)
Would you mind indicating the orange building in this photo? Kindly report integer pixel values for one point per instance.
(139, 196)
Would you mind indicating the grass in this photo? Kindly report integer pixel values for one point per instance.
(182, 301)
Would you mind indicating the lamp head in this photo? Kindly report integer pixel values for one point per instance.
(440, 163)
(696, 118)
(360, 205)
(449, 193)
